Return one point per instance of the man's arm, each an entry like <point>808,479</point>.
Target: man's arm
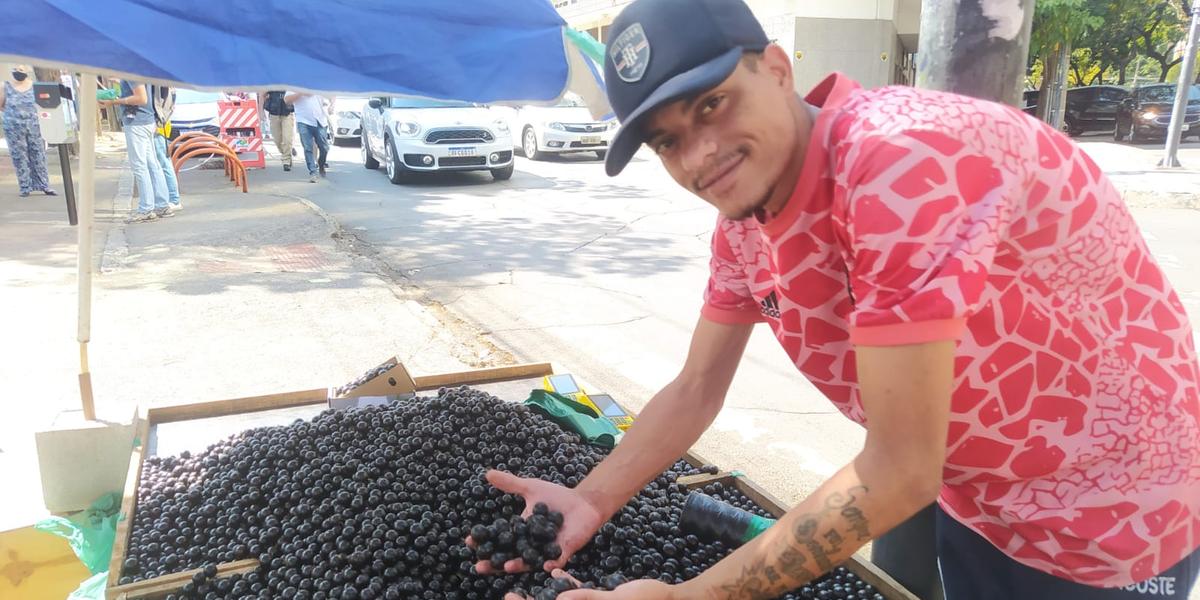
<point>292,97</point>
<point>139,97</point>
<point>673,419</point>
<point>906,396</point>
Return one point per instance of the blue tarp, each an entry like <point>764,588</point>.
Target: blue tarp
<point>473,50</point>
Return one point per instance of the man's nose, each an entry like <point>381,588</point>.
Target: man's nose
<point>699,153</point>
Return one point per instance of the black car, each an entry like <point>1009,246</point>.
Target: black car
<point>1093,108</point>
<point>1090,108</point>
<point>1147,113</point>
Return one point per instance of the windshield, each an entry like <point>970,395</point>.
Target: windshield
<point>1166,93</point>
<point>424,103</point>
<point>570,100</point>
<point>194,97</point>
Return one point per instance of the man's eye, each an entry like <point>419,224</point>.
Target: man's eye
<point>711,104</point>
<point>664,145</point>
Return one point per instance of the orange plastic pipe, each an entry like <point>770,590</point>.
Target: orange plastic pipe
<point>202,143</point>
<point>239,170</point>
<point>188,136</point>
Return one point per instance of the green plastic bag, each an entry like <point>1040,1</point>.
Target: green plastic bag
<point>577,417</point>
<point>90,533</point>
<point>92,588</point>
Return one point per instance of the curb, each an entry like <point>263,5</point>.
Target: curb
<point>1156,199</point>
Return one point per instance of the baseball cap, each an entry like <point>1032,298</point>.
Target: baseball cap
<point>666,50</point>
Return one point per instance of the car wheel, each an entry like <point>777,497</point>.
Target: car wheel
<point>529,145</point>
<point>602,154</point>
<point>368,159</point>
<point>503,173</point>
<point>395,170</point>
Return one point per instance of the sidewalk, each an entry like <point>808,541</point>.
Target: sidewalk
<point>1134,171</point>
<point>239,294</point>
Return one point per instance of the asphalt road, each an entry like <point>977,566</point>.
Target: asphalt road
<point>604,277</point>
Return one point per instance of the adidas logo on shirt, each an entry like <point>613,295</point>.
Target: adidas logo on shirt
<point>770,306</point>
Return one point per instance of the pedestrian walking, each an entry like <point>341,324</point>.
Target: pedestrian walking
<point>138,122</point>
<point>282,121</point>
<point>164,106</point>
<point>957,277</point>
<point>25,144</point>
<point>312,120</point>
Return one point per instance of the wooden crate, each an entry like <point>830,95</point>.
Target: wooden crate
<point>527,375</point>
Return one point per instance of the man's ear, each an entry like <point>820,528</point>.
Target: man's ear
<point>779,65</point>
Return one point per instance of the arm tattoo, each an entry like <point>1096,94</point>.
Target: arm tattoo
<point>808,554</point>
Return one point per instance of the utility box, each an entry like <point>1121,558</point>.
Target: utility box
<point>55,115</point>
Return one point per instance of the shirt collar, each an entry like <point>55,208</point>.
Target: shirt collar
<point>830,95</point>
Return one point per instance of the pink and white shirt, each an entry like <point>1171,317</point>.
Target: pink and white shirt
<point>1074,439</point>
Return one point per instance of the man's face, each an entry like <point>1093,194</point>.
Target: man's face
<point>731,144</point>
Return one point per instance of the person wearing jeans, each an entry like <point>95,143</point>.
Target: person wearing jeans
<point>138,124</point>
<point>311,120</point>
<point>168,171</point>
<point>164,106</point>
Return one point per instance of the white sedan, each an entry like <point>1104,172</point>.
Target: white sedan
<point>565,127</point>
<point>412,135</point>
<point>346,122</point>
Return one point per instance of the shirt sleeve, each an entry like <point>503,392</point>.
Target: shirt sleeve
<point>727,298</point>
<point>922,214</point>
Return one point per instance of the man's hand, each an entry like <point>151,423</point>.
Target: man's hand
<point>106,103</point>
<point>642,589</point>
<point>581,518</point>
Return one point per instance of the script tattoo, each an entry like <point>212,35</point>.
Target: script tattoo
<point>794,565</point>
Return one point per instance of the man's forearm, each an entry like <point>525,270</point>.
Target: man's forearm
<point>671,422</point>
<point>857,504</point>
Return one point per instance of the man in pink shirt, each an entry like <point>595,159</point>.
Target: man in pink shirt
<point>957,277</point>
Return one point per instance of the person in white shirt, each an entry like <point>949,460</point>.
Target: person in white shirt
<point>312,118</point>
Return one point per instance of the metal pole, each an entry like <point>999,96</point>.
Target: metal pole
<point>87,195</point>
<point>975,47</point>
<point>1182,90</point>
<point>64,160</point>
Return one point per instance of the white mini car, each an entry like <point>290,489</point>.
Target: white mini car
<point>411,135</point>
<point>346,122</point>
<point>559,129</point>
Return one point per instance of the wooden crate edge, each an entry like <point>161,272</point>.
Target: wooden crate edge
<point>165,584</point>
<point>482,376</point>
<point>218,408</point>
<point>133,479</point>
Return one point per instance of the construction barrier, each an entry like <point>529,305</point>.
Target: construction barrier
<point>242,131</point>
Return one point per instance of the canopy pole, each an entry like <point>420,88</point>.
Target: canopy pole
<point>87,195</point>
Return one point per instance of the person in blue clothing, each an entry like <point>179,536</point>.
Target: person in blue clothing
<point>24,135</point>
<point>139,125</point>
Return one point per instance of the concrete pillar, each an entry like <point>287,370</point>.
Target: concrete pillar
<point>975,47</point>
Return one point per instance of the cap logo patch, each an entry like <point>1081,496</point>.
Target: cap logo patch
<point>630,53</point>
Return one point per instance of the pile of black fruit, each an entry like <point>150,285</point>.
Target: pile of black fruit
<point>531,540</point>
<point>375,502</point>
<point>365,377</point>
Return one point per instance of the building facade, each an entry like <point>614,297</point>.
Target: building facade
<point>873,41</point>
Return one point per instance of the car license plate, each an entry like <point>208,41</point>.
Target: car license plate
<point>590,139</point>
<point>462,152</point>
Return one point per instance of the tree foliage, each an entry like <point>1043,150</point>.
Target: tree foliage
<point>1110,40</point>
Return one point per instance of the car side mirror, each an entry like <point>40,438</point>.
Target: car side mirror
<point>375,103</point>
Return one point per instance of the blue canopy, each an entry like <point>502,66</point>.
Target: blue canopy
<point>476,50</point>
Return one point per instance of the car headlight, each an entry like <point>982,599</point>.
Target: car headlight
<point>612,125</point>
<point>500,125</point>
<point>556,125</point>
<point>1149,115</point>
<point>408,129</point>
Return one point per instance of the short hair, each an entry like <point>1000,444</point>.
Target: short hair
<point>751,59</point>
